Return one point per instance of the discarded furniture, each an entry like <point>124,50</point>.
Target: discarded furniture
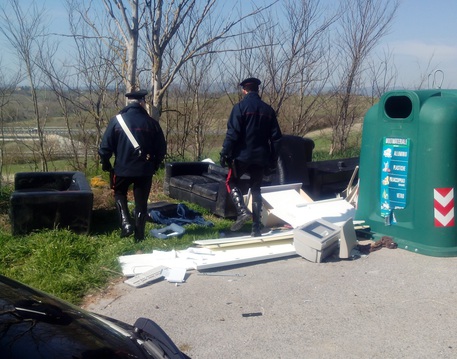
<point>319,179</point>
<point>331,177</point>
<point>295,153</point>
<point>202,183</point>
<point>50,200</point>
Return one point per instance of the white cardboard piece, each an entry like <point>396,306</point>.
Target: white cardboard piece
<point>135,264</point>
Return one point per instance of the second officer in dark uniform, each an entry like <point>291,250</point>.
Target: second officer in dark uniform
<point>133,165</point>
<point>251,146</point>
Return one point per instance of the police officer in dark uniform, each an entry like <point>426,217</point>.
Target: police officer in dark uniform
<point>251,146</point>
<point>133,165</point>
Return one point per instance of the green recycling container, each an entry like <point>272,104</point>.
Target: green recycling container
<point>408,170</point>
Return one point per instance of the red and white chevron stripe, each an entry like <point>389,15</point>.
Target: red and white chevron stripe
<point>444,207</point>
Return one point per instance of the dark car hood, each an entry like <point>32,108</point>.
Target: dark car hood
<point>34,324</point>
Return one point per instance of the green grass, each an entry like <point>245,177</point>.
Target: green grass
<point>70,266</point>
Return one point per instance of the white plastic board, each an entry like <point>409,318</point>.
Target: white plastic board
<point>149,276</point>
<point>246,254</point>
<point>174,275</point>
<point>336,211</point>
<point>232,241</point>
<point>135,264</point>
<point>204,258</point>
<point>284,199</point>
<point>348,239</point>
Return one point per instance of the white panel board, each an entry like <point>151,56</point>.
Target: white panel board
<point>336,211</point>
<point>247,254</point>
<point>204,258</point>
<point>231,241</point>
<point>147,277</point>
<point>135,264</point>
<point>284,199</point>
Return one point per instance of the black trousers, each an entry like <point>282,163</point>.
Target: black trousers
<point>255,173</point>
<point>141,190</point>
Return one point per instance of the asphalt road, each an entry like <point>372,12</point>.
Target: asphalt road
<point>389,304</point>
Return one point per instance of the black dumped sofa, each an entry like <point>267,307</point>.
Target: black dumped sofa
<point>203,183</point>
<point>330,177</point>
<point>50,200</point>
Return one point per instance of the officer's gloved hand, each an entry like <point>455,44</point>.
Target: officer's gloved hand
<point>106,166</point>
<point>224,160</point>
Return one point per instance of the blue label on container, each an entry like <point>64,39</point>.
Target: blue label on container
<point>394,174</point>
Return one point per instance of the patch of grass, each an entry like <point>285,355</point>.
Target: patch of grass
<point>71,266</point>
<point>323,141</point>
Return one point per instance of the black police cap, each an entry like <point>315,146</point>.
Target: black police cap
<point>137,95</point>
<point>250,81</point>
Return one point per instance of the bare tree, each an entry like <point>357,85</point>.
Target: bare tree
<point>181,30</point>
<point>171,31</point>
<point>25,30</point>
<point>96,94</point>
<point>290,57</point>
<point>128,26</point>
<point>86,86</point>
<point>120,34</point>
<point>8,84</point>
<point>363,24</point>
<point>199,96</point>
<point>382,75</point>
<point>295,55</point>
<point>239,64</point>
<point>425,74</point>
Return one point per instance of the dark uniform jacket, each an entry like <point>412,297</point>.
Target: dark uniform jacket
<point>147,133</point>
<point>253,134</point>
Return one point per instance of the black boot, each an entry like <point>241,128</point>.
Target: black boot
<point>256,216</point>
<point>140,224</point>
<point>243,214</point>
<point>124,217</point>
